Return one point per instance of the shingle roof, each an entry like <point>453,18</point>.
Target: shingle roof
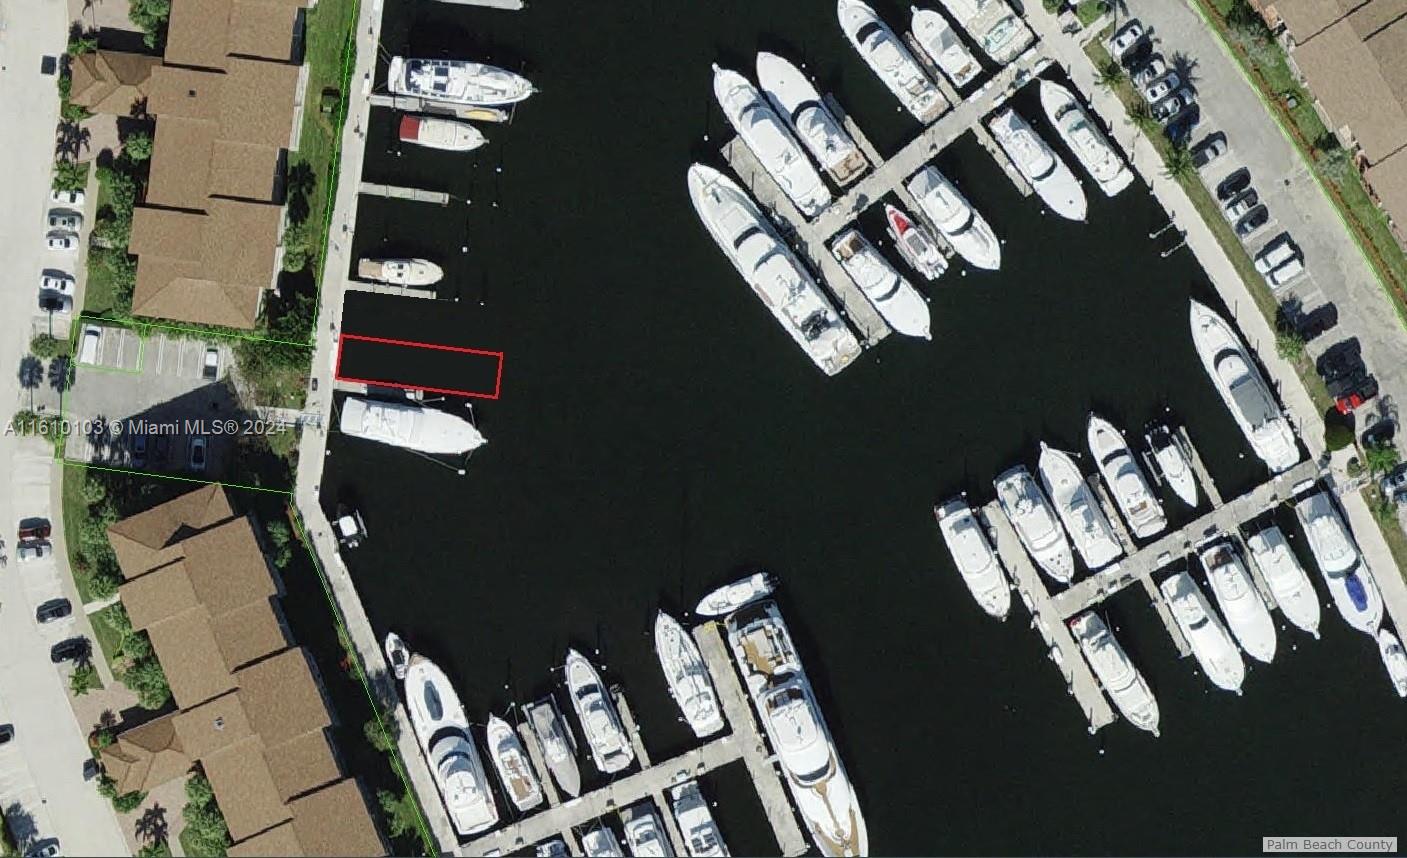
<point>146,756</point>
<point>334,822</point>
<point>1347,80</point>
<point>281,840</point>
<point>110,81</point>
<point>147,539</point>
<point>1388,179</point>
<point>1305,18</point>
<point>245,789</point>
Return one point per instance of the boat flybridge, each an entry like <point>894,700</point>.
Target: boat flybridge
<point>437,132</point>
<point>1049,176</point>
<point>993,25</point>
<point>914,243</point>
<point>964,228</point>
<point>1216,652</point>
<point>1035,523</point>
<point>1394,659</point>
<point>1288,581</point>
<point>601,842</point>
<point>456,82</point>
<point>702,837</point>
<point>1173,462</point>
<point>735,594</point>
<point>973,555</point>
<point>510,760</point>
<point>1078,508</point>
<point>1092,149</point>
<point>644,832</point>
<point>1123,476</point>
<point>886,55</point>
<point>687,676</point>
<point>815,125</point>
<point>600,722</point>
<point>1239,600</point>
<point>773,271</point>
<point>1234,375</point>
<point>944,47</point>
<point>896,300</point>
<point>1350,581</point>
<point>443,732</point>
<point>766,134</point>
<point>414,427</point>
<point>1120,679</point>
<point>558,743</point>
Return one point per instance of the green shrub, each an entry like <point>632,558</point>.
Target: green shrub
<point>70,175</point>
<point>1382,457</point>
<point>128,801</point>
<point>206,833</point>
<point>1337,435</point>
<point>48,346</point>
<point>84,679</point>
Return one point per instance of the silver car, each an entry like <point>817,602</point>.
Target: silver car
<point>1174,104</point>
<point>1162,87</point>
<point>70,221</point>
<point>1242,205</point>
<point>1151,71</point>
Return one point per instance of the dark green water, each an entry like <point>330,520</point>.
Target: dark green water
<point>658,434</point>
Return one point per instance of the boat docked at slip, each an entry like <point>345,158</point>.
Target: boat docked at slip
<point>914,243</point>
<point>397,654</point>
<point>1078,508</point>
<point>816,127</point>
<point>1121,680</point>
<point>456,82</point>
<point>977,562</point>
<point>944,47</point>
<point>1092,149</point>
<point>1350,581</point>
<point>732,596</point>
<point>436,132</point>
<point>644,832</point>
<point>1216,652</point>
<point>994,26</point>
<point>796,730</point>
<point>1035,522</point>
<point>510,760</point>
<point>773,271</point>
<point>702,837</point>
<point>687,676</point>
<point>601,842</point>
<point>887,57</point>
<point>1173,462</point>
<point>1049,176</point>
<point>414,427</point>
<point>766,134</point>
<point>443,732</point>
<point>558,743</point>
<point>966,230</point>
<point>1394,659</point>
<point>896,300</point>
<point>1234,375</point>
<point>1240,603</point>
<point>600,722</point>
<point>1125,479</point>
<point>1288,581</point>
<point>401,272</point>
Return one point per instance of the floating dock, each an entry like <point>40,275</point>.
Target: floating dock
<point>396,192</point>
<point>389,289</point>
<point>508,5</point>
<point>416,104</point>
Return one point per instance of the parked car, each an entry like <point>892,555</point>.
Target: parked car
<point>211,370</point>
<point>1394,484</point>
<point>73,649</point>
<point>197,453</point>
<point>1149,72</point>
<point>1179,129</point>
<point>1317,322</point>
<point>139,451</point>
<point>1162,87</point>
<point>1123,41</point>
<point>55,302</point>
<point>1233,184</point>
<point>1242,205</point>
<point>1339,360</point>
<point>1352,392</point>
<point>1212,147</point>
<point>1285,272</point>
<point>88,348</point>
<point>37,529</point>
<point>54,609</point>
<point>73,199</point>
<point>1276,252</point>
<point>90,769</point>
<point>62,241</point>
<point>7,732</point>
<point>56,282</point>
<point>43,849</point>
<point>35,549</point>
<point>1172,105</point>
<point>1257,218</point>
<point>71,221</point>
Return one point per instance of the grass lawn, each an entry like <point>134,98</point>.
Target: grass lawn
<point>99,296</point>
<point>108,636</point>
<point>1089,11</point>
<point>74,511</point>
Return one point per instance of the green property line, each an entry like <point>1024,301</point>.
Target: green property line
<point>74,463</point>
<point>232,335</point>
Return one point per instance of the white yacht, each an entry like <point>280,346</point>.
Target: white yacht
<point>1049,177</point>
<point>894,297</point>
<point>1093,150</point>
<point>600,842</point>
<point>1228,362</point>
<point>511,762</point>
<point>1121,680</point>
<point>1123,476</point>
<point>943,46</point>
<point>400,272</point>
<point>436,132</point>
<point>818,129</point>
<point>1288,581</point>
<point>397,655</point>
<point>687,676</point>
<point>1078,508</point>
<point>702,839</point>
<point>992,24</point>
<point>1350,581</point>
<point>973,555</point>
<point>773,271</point>
<point>796,730</point>
<point>881,49</point>
<point>1174,463</point>
<point>1240,603</point>
<point>414,427</point>
<point>456,82</point>
<point>960,223</point>
<point>557,742</point>
<point>600,722</point>
<point>1216,652</point>
<point>914,243</point>
<point>766,134</point>
<point>553,847</point>
<point>1035,523</point>
<point>443,731</point>
<point>1394,659</point>
<point>735,594</point>
<point>644,832</point>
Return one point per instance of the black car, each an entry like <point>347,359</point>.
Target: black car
<point>1340,360</point>
<point>1211,147</point>
<point>1254,220</point>
<point>1179,129</point>
<point>7,732</point>
<point>1233,184</point>
<point>73,649</point>
<point>54,609</point>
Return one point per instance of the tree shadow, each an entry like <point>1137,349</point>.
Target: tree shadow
<point>72,140</point>
<point>23,829</point>
<point>59,375</point>
<point>151,826</point>
<point>31,376</point>
<point>1186,68</point>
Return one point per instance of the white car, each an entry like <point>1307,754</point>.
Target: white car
<point>1124,40</point>
<point>71,221</point>
<point>1286,272</point>
<point>1242,205</point>
<point>34,549</point>
<point>197,454</point>
<point>1167,109</point>
<point>56,302</point>
<point>211,370</point>
<point>1276,253</point>
<point>67,198</point>
<point>61,283</point>
<point>62,241</point>
<point>1149,72</point>
<point>1162,87</point>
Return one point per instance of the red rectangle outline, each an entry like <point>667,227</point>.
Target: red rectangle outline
<point>498,377</point>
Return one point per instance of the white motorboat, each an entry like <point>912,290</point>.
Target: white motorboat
<point>687,676</point>
<point>456,82</point>
<point>1350,581</point>
<point>557,742</point>
<point>1216,652</point>
<point>897,301</point>
<point>436,132</point>
<point>886,55</point>
<point>644,832</point>
<point>552,848</point>
<point>773,271</point>
<point>766,134</point>
<point>1077,128</point>
<point>1116,464</point>
<point>994,26</point>
<point>511,762</point>
<point>732,596</point>
<point>400,272</point>
<point>1035,523</point>
<point>944,47</point>
<point>973,555</point>
<point>1174,463</point>
<point>600,842</point>
<point>1078,509</point>
<point>349,527</point>
<point>443,732</point>
<point>1394,659</point>
<point>414,427</point>
<point>796,730</point>
<point>1121,680</point>
<point>960,223</point>
<point>1049,176</point>
<point>1288,581</point>
<point>600,722</point>
<point>816,127</point>
<point>397,654</point>
<point>702,839</point>
<point>1239,601</point>
<point>914,243</point>
<point>1234,375</point>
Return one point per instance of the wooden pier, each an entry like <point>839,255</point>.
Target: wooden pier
<point>396,192</point>
<point>415,104</point>
<point>507,5</point>
<point>389,289</point>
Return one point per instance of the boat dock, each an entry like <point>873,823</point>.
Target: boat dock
<point>509,5</point>
<point>396,192</point>
<point>389,289</point>
<point>415,104</point>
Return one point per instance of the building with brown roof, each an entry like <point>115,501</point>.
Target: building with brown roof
<point>111,82</point>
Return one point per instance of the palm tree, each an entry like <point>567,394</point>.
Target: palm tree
<point>1177,163</point>
<point>1141,116</point>
<point>1111,74</point>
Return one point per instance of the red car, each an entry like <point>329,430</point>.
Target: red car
<point>1352,392</point>
<point>39,530</point>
